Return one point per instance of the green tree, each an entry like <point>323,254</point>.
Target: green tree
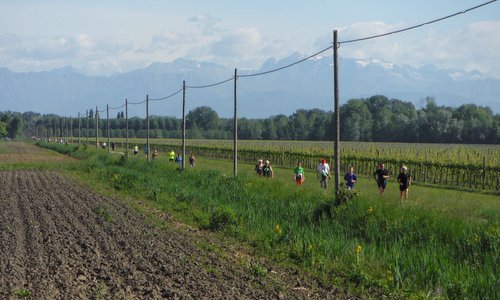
<point>204,117</point>
<point>356,121</point>
<point>15,127</point>
<point>3,130</point>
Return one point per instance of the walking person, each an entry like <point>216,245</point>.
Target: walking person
<point>381,175</point>
<point>178,160</point>
<point>171,155</point>
<point>136,149</point>
<point>192,160</point>
<point>350,178</point>
<point>404,180</point>
<point>259,167</point>
<point>298,174</point>
<point>323,171</point>
<point>268,170</point>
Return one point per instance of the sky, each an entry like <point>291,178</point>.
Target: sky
<point>108,37</point>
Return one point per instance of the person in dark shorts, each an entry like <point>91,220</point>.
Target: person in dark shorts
<point>381,176</point>
<point>404,180</point>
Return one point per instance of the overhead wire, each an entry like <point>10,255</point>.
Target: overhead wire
<point>287,66</point>
<point>166,97</point>
<point>136,103</point>
<point>416,26</point>
<point>209,85</point>
<point>317,53</point>
<point>121,106</point>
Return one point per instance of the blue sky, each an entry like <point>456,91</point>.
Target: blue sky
<point>106,37</point>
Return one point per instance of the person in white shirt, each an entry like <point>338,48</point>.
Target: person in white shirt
<point>323,172</point>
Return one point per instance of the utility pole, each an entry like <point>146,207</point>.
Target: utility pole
<point>235,126</point>
<point>96,127</point>
<point>126,127</point>
<point>147,131</point>
<point>79,128</point>
<point>107,126</point>
<point>183,124</point>
<point>336,111</point>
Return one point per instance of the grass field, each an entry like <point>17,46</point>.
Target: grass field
<point>439,243</point>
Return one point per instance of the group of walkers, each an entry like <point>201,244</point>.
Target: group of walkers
<point>171,156</point>
<point>404,179</point>
<point>264,168</point>
<point>381,175</point>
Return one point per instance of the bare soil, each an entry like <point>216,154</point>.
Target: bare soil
<point>60,240</point>
<point>18,152</point>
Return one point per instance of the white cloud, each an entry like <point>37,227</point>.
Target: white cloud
<point>472,47</point>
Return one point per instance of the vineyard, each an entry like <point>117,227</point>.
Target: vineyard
<point>470,167</point>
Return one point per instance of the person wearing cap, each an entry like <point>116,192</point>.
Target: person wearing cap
<point>323,171</point>
<point>404,180</point>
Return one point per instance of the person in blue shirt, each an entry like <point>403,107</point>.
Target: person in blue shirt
<point>350,178</point>
<point>178,160</point>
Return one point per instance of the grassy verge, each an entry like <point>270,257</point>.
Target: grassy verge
<point>439,243</point>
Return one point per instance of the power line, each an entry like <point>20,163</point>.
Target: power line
<point>416,26</point>
<point>117,107</point>
<point>136,103</point>
<point>287,66</point>
<point>171,95</point>
<point>209,85</point>
<point>317,53</point>
<point>368,38</point>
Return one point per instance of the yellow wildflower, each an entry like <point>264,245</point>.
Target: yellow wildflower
<point>277,229</point>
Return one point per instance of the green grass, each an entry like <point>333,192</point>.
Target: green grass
<point>439,243</point>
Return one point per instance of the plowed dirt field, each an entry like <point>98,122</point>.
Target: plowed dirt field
<point>60,240</point>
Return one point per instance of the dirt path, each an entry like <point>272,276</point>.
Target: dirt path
<point>18,152</point>
<point>59,240</point>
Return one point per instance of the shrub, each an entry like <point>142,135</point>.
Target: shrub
<point>222,218</point>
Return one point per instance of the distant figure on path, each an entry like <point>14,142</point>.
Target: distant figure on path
<point>136,149</point>
<point>155,154</point>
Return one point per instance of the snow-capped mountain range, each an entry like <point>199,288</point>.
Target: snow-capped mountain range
<point>305,85</point>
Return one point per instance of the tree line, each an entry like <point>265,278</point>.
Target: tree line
<point>377,119</point>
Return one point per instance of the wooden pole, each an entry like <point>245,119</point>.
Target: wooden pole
<point>107,126</point>
<point>183,124</point>
<point>336,110</point>
<point>147,127</point>
<point>88,117</point>
<point>96,127</point>
<point>79,128</point>
<point>126,127</point>
<point>235,125</point>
